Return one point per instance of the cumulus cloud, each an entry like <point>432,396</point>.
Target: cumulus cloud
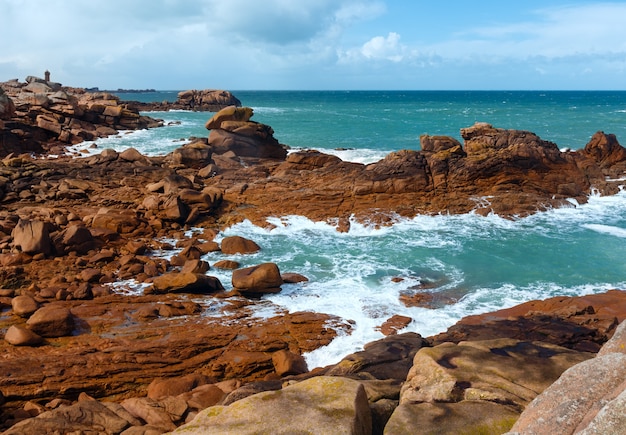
<point>380,47</point>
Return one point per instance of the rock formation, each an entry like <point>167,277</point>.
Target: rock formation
<point>232,131</point>
<point>206,100</point>
<point>507,172</point>
<point>41,115</point>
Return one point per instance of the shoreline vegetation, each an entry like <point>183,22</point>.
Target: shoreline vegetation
<point>83,354</point>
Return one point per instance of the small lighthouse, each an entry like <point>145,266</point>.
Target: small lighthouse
<point>47,75</point>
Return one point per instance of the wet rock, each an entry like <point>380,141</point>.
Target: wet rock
<point>293,278</point>
<point>238,245</point>
<point>394,324</point>
<point>263,278</point>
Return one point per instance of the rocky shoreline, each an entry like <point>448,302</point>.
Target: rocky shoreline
<point>85,352</point>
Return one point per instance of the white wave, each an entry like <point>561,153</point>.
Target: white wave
<point>429,322</point>
<point>607,229</point>
<point>265,109</point>
<point>353,155</point>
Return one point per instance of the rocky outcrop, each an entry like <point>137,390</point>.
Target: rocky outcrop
<point>205,100</point>
<point>232,131</point>
<point>507,172</point>
<point>583,323</point>
<point>476,385</point>
<point>43,116</point>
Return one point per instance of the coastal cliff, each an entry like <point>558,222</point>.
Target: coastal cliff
<point>81,355</point>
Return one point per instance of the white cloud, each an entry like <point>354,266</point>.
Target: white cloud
<point>287,44</point>
<point>380,47</point>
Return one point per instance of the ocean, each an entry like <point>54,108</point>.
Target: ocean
<point>479,263</point>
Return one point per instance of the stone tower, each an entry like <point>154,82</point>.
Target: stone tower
<point>47,75</point>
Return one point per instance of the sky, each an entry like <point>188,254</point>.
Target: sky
<point>317,44</point>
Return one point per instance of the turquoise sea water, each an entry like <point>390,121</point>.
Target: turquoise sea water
<point>484,263</point>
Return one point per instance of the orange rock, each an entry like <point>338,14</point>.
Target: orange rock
<point>263,278</point>
<point>394,324</point>
<point>238,245</point>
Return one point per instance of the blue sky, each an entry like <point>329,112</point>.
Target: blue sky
<point>317,44</point>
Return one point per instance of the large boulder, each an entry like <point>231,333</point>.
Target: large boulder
<point>232,130</point>
<point>231,113</point>
<point>321,405</point>
<point>51,321</point>
<point>493,379</point>
<point>24,305</point>
<point>387,358</point>
<point>75,238</point>
<point>263,278</point>
<point>32,237</point>
<point>20,336</point>
<point>582,323</point>
<point>206,100</point>
<point>193,155</point>
<point>238,245</point>
<point>186,282</point>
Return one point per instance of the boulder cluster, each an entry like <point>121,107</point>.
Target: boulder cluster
<point>43,116</point>
<point>113,322</point>
<point>205,100</point>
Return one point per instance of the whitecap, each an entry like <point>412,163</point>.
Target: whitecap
<point>607,229</point>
